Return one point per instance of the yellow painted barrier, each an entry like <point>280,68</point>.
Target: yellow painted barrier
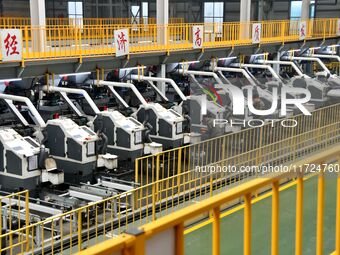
<point>127,244</point>
<point>96,37</point>
<point>96,222</point>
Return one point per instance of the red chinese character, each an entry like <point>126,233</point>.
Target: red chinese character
<point>198,40</point>
<point>303,31</point>
<point>257,33</point>
<point>11,45</point>
<point>121,42</point>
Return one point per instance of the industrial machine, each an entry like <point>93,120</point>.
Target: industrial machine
<point>166,125</point>
<point>25,163</point>
<point>275,81</point>
<point>221,90</point>
<point>319,90</point>
<point>124,136</point>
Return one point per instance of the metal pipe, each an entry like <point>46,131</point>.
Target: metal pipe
<point>159,79</point>
<point>74,91</point>
<point>323,66</point>
<point>236,70</point>
<point>16,112</point>
<point>287,63</point>
<point>269,68</point>
<point>210,74</point>
<point>120,99</point>
<point>30,106</point>
<point>326,56</point>
<point>160,93</point>
<point>125,85</point>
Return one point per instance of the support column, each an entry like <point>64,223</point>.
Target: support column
<point>38,21</point>
<point>276,67</point>
<point>162,21</point>
<point>245,10</point>
<point>162,74</point>
<point>305,10</point>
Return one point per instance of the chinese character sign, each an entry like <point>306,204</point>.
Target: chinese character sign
<point>302,30</point>
<point>338,28</point>
<point>122,42</point>
<point>197,36</point>
<point>11,44</point>
<point>256,34</point>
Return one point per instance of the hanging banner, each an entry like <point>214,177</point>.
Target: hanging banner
<point>122,42</point>
<point>256,34</point>
<point>197,36</point>
<point>11,44</point>
<point>302,30</point>
<point>338,28</point>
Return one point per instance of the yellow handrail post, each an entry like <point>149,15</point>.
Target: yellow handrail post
<point>179,239</point>
<point>299,216</point>
<point>247,225</point>
<point>337,229</point>
<point>275,219</point>
<point>179,168</point>
<point>153,202</point>
<point>27,216</point>
<point>79,230</point>
<point>320,213</point>
<point>216,237</point>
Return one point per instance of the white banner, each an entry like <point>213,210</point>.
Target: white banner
<point>302,30</point>
<point>256,34</point>
<point>338,28</point>
<point>198,35</point>
<point>11,44</point>
<point>122,42</point>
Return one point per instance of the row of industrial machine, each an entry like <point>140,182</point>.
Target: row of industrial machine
<point>73,139</point>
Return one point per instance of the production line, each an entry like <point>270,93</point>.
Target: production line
<point>73,140</point>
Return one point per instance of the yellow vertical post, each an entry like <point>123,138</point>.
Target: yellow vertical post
<point>79,230</point>
<point>157,175</point>
<point>320,213</point>
<point>337,228</point>
<point>179,239</point>
<point>247,225</point>
<point>179,168</point>
<point>216,232</point>
<point>136,171</point>
<point>275,219</point>
<point>27,216</point>
<point>153,202</point>
<point>299,216</point>
<point>26,40</point>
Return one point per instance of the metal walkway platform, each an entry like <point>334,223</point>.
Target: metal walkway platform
<point>68,49</point>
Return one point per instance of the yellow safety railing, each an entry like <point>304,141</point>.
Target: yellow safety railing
<point>67,41</point>
<point>16,22</point>
<point>80,228</point>
<point>152,168</point>
<point>172,226</point>
<point>14,213</point>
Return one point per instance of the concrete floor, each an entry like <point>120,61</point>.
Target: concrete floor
<point>198,242</point>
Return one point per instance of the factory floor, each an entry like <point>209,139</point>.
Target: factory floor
<point>198,238</point>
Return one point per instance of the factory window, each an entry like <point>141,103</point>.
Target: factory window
<point>135,12</point>
<point>75,12</point>
<point>296,9</point>
<point>213,12</point>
